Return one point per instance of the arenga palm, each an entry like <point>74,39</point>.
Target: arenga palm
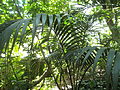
<point>72,59</point>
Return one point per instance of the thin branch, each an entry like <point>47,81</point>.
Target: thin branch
<point>17,9</point>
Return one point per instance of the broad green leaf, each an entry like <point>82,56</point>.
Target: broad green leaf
<point>24,29</point>
<point>6,35</point>
<point>38,16</point>
<point>116,71</point>
<point>110,59</point>
<point>36,21</point>
<point>44,18</point>
<point>58,19</point>
<point>50,20</point>
<point>98,55</point>
<point>16,34</point>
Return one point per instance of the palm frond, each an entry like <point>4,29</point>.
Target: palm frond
<point>68,35</point>
<point>74,61</point>
<point>83,59</point>
<point>13,29</point>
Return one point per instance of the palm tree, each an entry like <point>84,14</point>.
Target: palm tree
<point>70,58</point>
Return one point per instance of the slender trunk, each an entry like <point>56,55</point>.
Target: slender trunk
<point>113,29</point>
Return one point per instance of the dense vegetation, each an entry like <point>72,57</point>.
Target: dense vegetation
<point>59,44</point>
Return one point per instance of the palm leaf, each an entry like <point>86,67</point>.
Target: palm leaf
<point>50,20</point>
<point>116,71</point>
<point>36,21</point>
<point>91,56</point>
<point>110,58</point>
<point>27,21</point>
<point>99,53</point>
<point>74,58</point>
<point>88,54</point>
<point>16,34</point>
<point>5,35</point>
<point>58,19</point>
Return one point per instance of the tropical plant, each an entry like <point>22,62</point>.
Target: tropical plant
<point>62,42</point>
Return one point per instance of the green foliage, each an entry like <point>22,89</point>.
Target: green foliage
<point>75,61</point>
<point>57,47</point>
<point>48,6</point>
